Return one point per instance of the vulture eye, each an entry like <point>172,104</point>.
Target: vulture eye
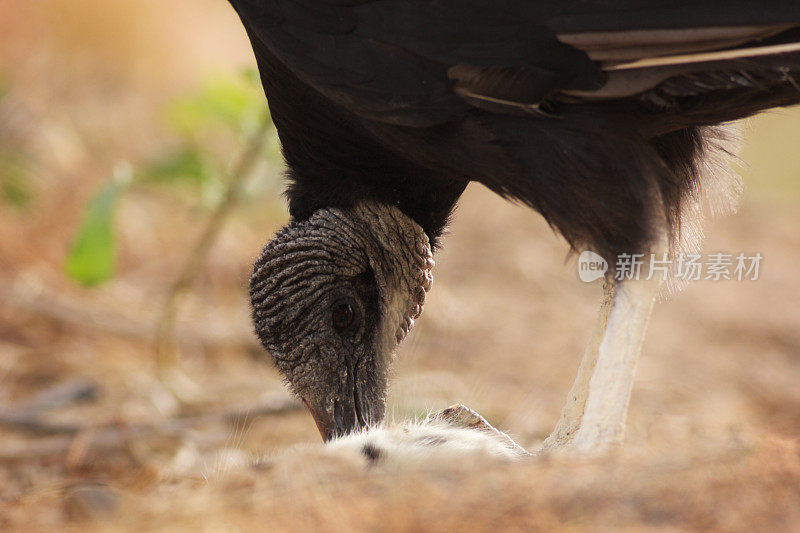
<point>343,315</point>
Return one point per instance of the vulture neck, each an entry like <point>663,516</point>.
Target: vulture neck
<point>401,259</point>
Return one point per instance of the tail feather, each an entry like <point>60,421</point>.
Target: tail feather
<point>706,57</point>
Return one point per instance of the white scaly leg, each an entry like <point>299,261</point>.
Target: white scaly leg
<point>603,421</point>
<point>572,413</point>
<point>594,415</point>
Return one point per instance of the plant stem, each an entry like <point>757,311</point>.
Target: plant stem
<point>166,347</point>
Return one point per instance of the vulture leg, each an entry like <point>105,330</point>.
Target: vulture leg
<point>571,414</point>
<point>597,406</point>
<point>609,392</point>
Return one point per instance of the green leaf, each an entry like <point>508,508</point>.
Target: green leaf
<point>251,76</point>
<point>92,256</point>
<point>235,101</point>
<point>184,164</point>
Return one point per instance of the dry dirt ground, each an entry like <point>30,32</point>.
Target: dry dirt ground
<point>715,416</point>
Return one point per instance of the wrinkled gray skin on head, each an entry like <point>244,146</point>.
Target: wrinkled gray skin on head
<point>371,264</point>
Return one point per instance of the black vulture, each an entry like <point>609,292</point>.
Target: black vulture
<point>598,114</point>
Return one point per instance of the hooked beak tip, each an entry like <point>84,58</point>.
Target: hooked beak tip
<point>325,430</point>
<point>344,419</point>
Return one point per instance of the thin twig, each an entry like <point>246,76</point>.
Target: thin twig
<point>27,414</point>
<point>103,440</point>
<point>167,355</point>
<point>111,437</point>
<point>64,309</point>
<point>62,394</point>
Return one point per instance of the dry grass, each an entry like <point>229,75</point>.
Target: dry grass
<point>716,409</point>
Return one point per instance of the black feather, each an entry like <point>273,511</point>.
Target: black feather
<point>406,101</point>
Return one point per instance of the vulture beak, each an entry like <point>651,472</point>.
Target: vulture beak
<point>341,420</point>
<point>324,426</point>
<point>343,413</point>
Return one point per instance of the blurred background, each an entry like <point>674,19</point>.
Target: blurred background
<point>139,178</point>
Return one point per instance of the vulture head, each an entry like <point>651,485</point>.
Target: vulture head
<point>332,297</point>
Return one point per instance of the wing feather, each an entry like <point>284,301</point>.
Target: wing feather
<point>420,63</point>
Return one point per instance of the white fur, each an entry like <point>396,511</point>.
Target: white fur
<point>416,441</point>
